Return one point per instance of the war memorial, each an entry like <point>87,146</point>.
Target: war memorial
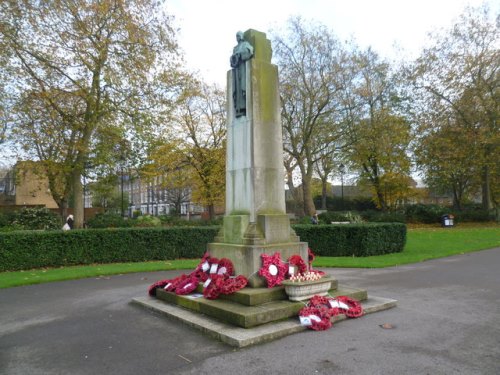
<point>241,292</point>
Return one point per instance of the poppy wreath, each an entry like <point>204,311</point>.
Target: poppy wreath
<point>158,284</point>
<point>186,286</point>
<point>233,284</point>
<point>170,287</point>
<point>296,260</point>
<point>213,289</point>
<point>355,309</point>
<point>319,317</point>
<point>204,264</point>
<point>225,267</point>
<point>273,269</point>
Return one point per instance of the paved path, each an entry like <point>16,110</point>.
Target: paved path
<point>447,322</point>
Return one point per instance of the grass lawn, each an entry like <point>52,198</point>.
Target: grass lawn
<point>422,244</point>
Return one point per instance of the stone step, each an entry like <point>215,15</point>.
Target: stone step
<point>234,313</point>
<point>243,337</point>
<point>259,296</point>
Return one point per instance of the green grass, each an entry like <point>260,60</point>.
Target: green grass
<point>38,276</point>
<point>422,244</point>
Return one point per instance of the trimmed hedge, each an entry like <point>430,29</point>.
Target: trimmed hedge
<point>353,239</point>
<point>23,250</point>
<point>34,249</point>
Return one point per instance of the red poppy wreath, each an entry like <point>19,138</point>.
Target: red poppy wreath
<point>273,269</point>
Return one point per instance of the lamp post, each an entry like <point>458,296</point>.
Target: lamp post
<point>342,171</point>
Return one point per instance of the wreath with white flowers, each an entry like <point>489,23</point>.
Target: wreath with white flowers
<point>186,286</point>
<point>216,274</point>
<point>273,269</point>
<point>319,310</point>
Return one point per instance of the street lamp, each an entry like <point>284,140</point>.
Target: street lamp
<point>342,171</point>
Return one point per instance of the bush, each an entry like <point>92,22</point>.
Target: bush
<point>29,249</point>
<point>36,219</point>
<point>425,213</point>
<point>108,220</point>
<point>474,214</point>
<point>353,239</point>
<point>329,217</point>
<point>347,204</point>
<point>23,250</point>
<point>375,216</point>
<point>146,221</point>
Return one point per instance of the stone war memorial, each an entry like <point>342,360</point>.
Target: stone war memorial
<point>254,280</point>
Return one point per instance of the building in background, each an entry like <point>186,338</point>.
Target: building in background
<point>24,185</point>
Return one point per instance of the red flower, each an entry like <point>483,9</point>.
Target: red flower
<point>158,284</point>
<point>319,317</point>
<point>213,289</point>
<point>273,269</point>
<point>186,286</point>
<point>225,267</point>
<point>174,282</point>
<point>355,309</point>
<point>296,260</point>
<point>233,284</point>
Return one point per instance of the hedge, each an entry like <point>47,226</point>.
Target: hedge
<point>353,239</point>
<point>23,250</point>
<point>33,249</point>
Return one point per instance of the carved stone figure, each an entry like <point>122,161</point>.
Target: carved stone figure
<point>241,53</point>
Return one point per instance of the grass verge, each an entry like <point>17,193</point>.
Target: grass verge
<point>422,244</point>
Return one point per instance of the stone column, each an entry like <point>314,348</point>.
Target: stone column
<point>256,220</point>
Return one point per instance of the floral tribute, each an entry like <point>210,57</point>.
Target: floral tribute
<point>273,269</point>
<point>307,276</point>
<point>297,261</point>
<point>318,312</point>
<point>216,274</point>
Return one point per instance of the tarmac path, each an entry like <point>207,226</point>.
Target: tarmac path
<point>447,322</point>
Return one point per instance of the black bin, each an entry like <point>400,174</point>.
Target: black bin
<point>447,220</point>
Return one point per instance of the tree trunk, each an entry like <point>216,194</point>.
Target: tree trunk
<point>211,211</point>
<point>323,194</point>
<point>486,189</point>
<point>309,208</point>
<point>77,198</point>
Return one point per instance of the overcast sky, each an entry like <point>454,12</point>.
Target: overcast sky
<point>208,27</point>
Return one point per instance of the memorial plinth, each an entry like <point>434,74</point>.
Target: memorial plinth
<point>256,221</point>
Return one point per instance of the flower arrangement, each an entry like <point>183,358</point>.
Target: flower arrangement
<point>297,261</point>
<point>273,269</point>
<point>307,276</point>
<point>216,274</point>
<point>319,310</point>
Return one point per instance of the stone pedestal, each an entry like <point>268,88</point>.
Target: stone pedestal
<point>256,221</point>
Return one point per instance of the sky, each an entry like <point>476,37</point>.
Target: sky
<point>207,28</point>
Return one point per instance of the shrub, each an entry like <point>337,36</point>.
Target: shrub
<point>36,219</point>
<point>108,220</point>
<point>29,249</point>
<point>329,217</point>
<point>146,221</point>
<point>425,213</point>
<point>353,239</point>
<point>375,216</point>
<point>34,249</point>
<point>474,215</point>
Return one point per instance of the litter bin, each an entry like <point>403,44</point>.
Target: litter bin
<point>447,220</point>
